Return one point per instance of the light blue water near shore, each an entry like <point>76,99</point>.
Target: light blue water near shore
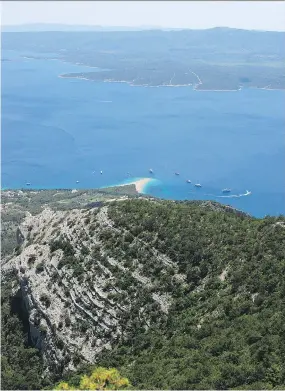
<point>58,131</point>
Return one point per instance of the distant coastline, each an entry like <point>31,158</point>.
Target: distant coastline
<point>204,90</point>
<point>131,84</point>
<point>64,76</point>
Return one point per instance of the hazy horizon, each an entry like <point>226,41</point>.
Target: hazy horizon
<point>138,27</point>
<point>249,15</point>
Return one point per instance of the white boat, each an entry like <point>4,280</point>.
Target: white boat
<point>226,190</point>
<point>28,184</point>
<point>198,185</point>
<point>101,172</point>
<point>188,181</point>
<point>151,170</point>
<point>177,173</point>
<point>77,181</point>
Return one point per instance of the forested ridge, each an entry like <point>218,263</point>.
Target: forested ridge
<point>226,327</point>
<point>221,321</point>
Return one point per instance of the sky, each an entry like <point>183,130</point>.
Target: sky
<point>256,15</point>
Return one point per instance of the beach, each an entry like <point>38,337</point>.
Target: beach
<point>140,184</point>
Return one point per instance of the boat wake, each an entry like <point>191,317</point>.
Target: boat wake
<point>247,193</point>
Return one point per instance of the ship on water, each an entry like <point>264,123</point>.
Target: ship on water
<point>177,173</point>
<point>188,181</point>
<point>151,171</point>
<point>197,185</point>
<point>226,190</point>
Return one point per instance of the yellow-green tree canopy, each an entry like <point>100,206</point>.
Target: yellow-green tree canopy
<point>100,379</point>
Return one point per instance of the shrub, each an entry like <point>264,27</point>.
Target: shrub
<point>18,250</point>
<point>43,329</point>
<point>40,267</point>
<point>44,298</point>
<point>67,321</point>
<point>59,343</point>
<point>63,245</point>
<point>31,260</point>
<point>99,379</point>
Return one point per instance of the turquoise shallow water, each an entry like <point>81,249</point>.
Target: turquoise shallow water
<point>58,131</point>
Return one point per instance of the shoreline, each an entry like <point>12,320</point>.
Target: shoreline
<point>201,90</point>
<point>140,184</point>
<point>62,76</point>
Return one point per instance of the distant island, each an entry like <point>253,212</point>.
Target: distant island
<point>214,59</point>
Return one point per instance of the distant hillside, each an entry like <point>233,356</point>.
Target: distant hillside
<point>175,295</point>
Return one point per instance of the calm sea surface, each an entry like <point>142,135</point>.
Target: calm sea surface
<point>58,131</point>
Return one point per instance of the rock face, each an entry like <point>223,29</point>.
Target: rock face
<point>80,296</point>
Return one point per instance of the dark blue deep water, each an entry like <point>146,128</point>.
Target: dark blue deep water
<point>56,131</point>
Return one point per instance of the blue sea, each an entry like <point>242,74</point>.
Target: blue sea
<point>57,131</point>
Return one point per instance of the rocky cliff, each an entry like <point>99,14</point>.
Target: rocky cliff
<point>78,295</point>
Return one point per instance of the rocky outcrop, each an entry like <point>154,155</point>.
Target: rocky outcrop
<point>80,297</point>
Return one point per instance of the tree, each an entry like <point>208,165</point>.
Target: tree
<point>100,379</point>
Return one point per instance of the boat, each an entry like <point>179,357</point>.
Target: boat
<point>177,173</point>
<point>101,172</point>
<point>198,185</point>
<point>28,184</point>
<point>188,181</point>
<point>151,170</point>
<point>226,190</point>
<point>77,181</point>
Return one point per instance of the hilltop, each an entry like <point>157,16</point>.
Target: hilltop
<point>176,295</point>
